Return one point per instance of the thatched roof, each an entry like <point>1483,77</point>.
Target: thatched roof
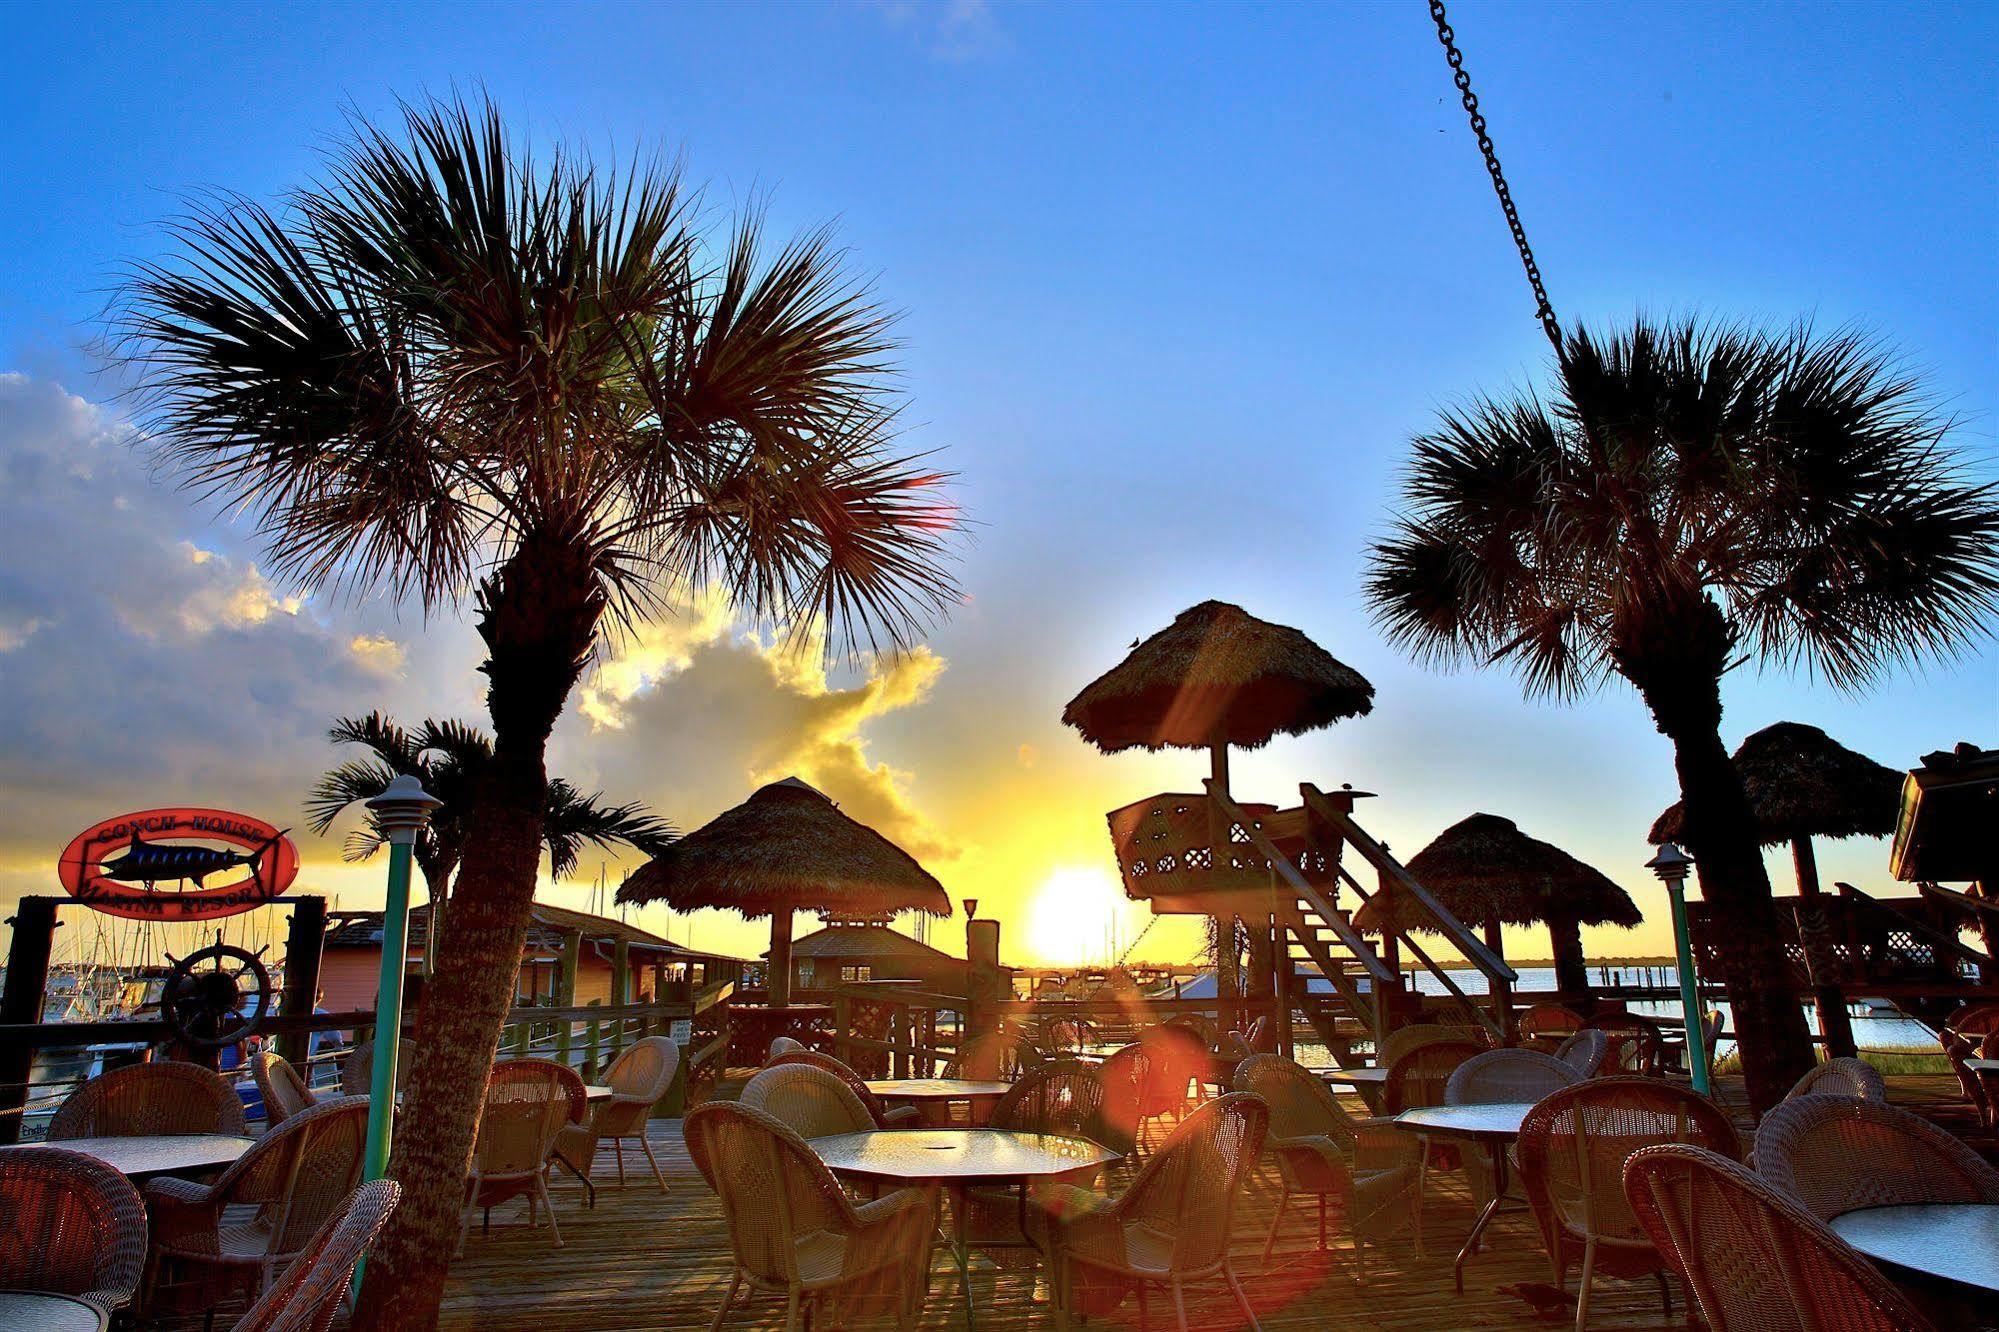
<point>1217,663</point>
<point>786,846</point>
<point>1803,783</point>
<point>1485,867</point>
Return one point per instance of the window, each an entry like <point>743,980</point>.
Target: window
<point>850,974</point>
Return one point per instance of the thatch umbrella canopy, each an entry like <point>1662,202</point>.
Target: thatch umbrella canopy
<point>1217,676</point>
<point>1484,869</point>
<point>1804,784</point>
<point>787,848</point>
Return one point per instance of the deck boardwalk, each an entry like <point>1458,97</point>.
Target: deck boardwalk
<point>647,1260</point>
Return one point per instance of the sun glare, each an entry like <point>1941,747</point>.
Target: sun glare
<point>1074,917</point>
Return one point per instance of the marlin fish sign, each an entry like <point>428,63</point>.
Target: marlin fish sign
<point>156,864</point>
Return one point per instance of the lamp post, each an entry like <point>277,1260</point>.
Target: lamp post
<point>1671,865</point>
<point>400,812</point>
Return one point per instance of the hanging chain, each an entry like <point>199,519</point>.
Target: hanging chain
<point>1543,311</point>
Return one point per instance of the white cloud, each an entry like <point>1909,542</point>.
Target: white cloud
<point>952,30</point>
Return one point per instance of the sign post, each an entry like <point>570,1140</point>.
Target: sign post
<point>401,812</point>
<point>1671,865</point>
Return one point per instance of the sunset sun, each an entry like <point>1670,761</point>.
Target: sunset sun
<point>1073,916</point>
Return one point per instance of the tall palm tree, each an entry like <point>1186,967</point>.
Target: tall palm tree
<point>447,757</point>
<point>1694,497</point>
<point>456,368</point>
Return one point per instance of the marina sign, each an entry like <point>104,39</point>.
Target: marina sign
<point>156,864</point>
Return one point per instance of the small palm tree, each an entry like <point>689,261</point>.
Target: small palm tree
<point>1695,497</point>
<point>459,370</point>
<point>447,757</point>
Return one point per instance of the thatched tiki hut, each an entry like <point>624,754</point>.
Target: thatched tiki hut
<point>1485,871</point>
<point>1218,676</point>
<point>786,849</point>
<point>1804,784</point>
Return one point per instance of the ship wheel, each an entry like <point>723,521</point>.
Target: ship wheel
<point>217,996</point>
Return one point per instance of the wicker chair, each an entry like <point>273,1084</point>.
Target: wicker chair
<point>784,1045</point>
<point>1200,1024</point>
<point>1585,1051</point>
<point>528,1102</point>
<point>1977,1088</point>
<point>1502,1076</point>
<point>1637,1043</point>
<point>74,1227</point>
<point>1172,1225</point>
<point>1414,1037</point>
<point>885,1116</point>
<point>1841,1077</point>
<point>1324,1152</point>
<point>1572,1148</point>
<point>809,1101</point>
<point>1418,1076</point>
<point>1124,1076</point>
<point>262,1211</point>
<point>1974,1020</point>
<point>1752,1259</point>
<point>1836,1154</point>
<point>357,1070</point>
<point>283,1092</point>
<point>996,1054</point>
<point>638,1078</point>
<point>1060,1036</point>
<point>1062,1097</point>
<point>1544,1027</point>
<point>308,1295</point>
<point>144,1100</point>
<point>792,1228</point>
<point>1178,1059</point>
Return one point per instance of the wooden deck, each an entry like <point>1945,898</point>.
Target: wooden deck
<point>647,1260</point>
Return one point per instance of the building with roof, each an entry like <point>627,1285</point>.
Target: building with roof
<point>848,951</point>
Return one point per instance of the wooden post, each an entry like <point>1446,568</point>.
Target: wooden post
<point>777,982</point>
<point>34,923</point>
<point>1502,989</point>
<point>1829,1000</point>
<point>982,984</point>
<point>1285,977</point>
<point>903,1033</point>
<point>1218,873</point>
<point>303,942</point>
<point>565,991</point>
<point>621,992</point>
<point>592,1030</point>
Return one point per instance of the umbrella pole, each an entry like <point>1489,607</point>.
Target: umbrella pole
<point>1218,841</point>
<point>777,986</point>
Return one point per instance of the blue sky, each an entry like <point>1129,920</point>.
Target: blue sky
<point>1179,284</point>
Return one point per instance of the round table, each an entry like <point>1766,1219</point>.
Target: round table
<point>1493,1126</point>
<point>1956,1242</point>
<point>596,1092</point>
<point>1367,1081</point>
<point>168,1154</point>
<point>957,1159</point>
<point>933,1096</point>
<point>39,1311</point>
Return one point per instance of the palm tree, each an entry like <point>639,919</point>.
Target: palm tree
<point>1698,496</point>
<point>447,757</point>
<point>455,368</point>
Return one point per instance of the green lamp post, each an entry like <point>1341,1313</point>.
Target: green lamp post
<point>401,812</point>
<point>1671,865</point>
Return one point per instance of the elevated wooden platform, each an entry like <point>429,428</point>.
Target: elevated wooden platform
<point>644,1260</point>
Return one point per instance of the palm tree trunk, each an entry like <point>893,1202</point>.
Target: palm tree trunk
<point>1565,937</point>
<point>538,615</point>
<point>1744,929</point>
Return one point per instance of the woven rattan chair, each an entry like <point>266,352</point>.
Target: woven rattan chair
<point>307,1295</point>
<point>74,1226</point>
<point>1585,1051</point>
<point>1975,1021</point>
<point>1544,1027</point>
<point>1060,1036</point>
<point>143,1100</point>
<point>1572,1149</point>
<point>1171,1227</point>
<point>1977,1088</point>
<point>279,1086</point>
<point>1837,1154</point>
<point>1841,1077</point>
<point>1124,1075</point>
<point>884,1116</point>
<point>261,1212</point>
<point>784,1045</point>
<point>793,1229</point>
<point>1323,1152</point>
<point>997,1055</point>
<point>528,1102</point>
<point>1418,1076</point>
<point>357,1070</point>
<point>1200,1024</point>
<point>638,1078</point>
<point>809,1101</point>
<point>1178,1059</point>
<point>1752,1259</point>
<point>1062,1097</point>
<point>1502,1076</point>
<point>1414,1037</point>
<point>1637,1043</point>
